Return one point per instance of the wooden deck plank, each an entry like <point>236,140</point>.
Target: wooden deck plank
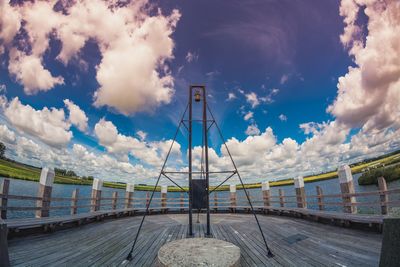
<point>107,243</point>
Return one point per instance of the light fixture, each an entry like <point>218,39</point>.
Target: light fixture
<point>197,96</point>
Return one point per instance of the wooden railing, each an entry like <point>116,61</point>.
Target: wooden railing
<point>229,202</point>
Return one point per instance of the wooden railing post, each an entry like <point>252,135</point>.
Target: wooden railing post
<point>129,191</point>
<point>266,194</point>
<point>147,199</point>
<point>114,200</point>
<point>4,188</point>
<point>232,189</point>
<point>320,198</point>
<point>44,192</point>
<point>182,202</point>
<point>96,195</point>
<point>383,195</point>
<point>300,192</point>
<point>74,201</point>
<point>164,190</point>
<point>281,198</point>
<point>215,200</point>
<point>347,187</point>
<point>4,257</point>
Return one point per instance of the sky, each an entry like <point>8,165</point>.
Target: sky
<point>297,87</point>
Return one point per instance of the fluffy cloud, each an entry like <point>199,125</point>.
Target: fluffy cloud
<point>191,56</point>
<point>142,135</point>
<point>252,130</point>
<point>252,99</point>
<point>258,157</point>
<point>231,96</point>
<point>6,135</point>
<point>152,153</point>
<point>250,149</point>
<point>369,94</point>
<point>137,84</point>
<point>49,125</point>
<point>10,22</point>
<point>27,67</point>
<point>261,157</point>
<point>248,115</point>
<point>284,78</point>
<point>76,115</point>
<point>283,117</point>
<point>29,71</point>
<point>133,74</point>
<point>79,159</point>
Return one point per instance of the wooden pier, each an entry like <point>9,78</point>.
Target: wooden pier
<point>294,242</point>
<point>102,235</point>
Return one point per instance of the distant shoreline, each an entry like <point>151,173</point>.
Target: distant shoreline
<point>17,170</point>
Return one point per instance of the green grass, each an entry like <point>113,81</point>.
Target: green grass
<point>371,177</point>
<point>21,171</point>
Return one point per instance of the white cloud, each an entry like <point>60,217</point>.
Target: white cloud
<point>283,117</point>
<point>49,125</point>
<point>81,160</point>
<point>259,156</point>
<point>252,99</point>
<point>180,69</point>
<point>10,22</point>
<point>29,71</point>
<point>133,75</point>
<point>252,130</point>
<point>248,116</point>
<point>213,74</point>
<point>268,99</point>
<point>191,56</point>
<point>6,135</point>
<point>369,94</point>
<point>137,85</point>
<point>76,115</point>
<point>142,135</point>
<point>231,96</point>
<point>274,91</point>
<point>151,153</point>
<point>284,79</point>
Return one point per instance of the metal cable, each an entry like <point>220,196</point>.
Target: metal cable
<point>240,178</point>
<point>129,256</point>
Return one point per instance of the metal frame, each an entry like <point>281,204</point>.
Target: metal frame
<point>205,146</point>
<point>205,172</point>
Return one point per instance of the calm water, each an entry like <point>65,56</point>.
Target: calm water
<point>27,188</point>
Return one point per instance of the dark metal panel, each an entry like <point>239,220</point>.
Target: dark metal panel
<point>199,193</point>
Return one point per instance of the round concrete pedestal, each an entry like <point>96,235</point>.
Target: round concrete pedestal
<point>199,252</point>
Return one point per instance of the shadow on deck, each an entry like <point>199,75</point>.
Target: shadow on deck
<point>294,242</point>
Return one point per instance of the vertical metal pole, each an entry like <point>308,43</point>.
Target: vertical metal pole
<point>190,163</point>
<point>206,157</point>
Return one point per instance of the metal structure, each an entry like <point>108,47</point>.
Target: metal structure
<point>200,188</point>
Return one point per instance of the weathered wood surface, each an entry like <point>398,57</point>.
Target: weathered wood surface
<point>373,222</point>
<point>294,242</point>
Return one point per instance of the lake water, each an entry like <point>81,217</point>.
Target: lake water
<point>28,188</point>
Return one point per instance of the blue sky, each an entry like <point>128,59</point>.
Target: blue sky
<point>271,69</point>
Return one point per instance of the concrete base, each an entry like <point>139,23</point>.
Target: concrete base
<point>199,252</point>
